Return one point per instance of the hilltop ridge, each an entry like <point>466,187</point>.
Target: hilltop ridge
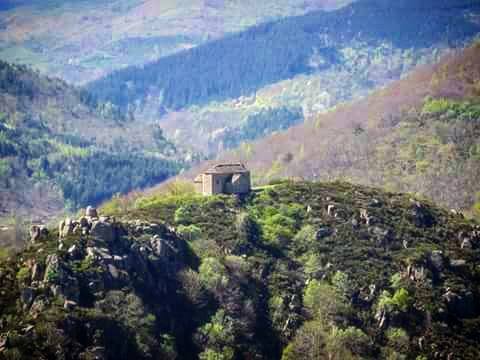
<point>417,134</point>
<point>366,273</point>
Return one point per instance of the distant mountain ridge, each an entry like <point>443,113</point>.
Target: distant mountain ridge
<point>100,36</point>
<point>280,50</point>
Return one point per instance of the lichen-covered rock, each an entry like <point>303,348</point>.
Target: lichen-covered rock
<point>27,295</point>
<point>69,305</point>
<point>466,244</point>
<point>38,272</point>
<point>437,261</point>
<point>103,230</point>
<point>323,232</point>
<point>421,215</point>
<point>37,233</point>
<point>461,304</point>
<point>66,227</point>
<point>91,212</point>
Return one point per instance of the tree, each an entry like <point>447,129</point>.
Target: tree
<point>324,302</point>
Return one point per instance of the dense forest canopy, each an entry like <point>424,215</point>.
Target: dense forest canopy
<point>63,142</point>
<point>241,63</point>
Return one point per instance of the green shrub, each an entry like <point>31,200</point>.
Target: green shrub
<point>306,236</point>
<point>400,301</point>
<point>312,264</point>
<point>23,274</point>
<point>279,225</point>
<point>190,232</point>
<point>323,301</point>
<point>247,229</point>
<point>351,339</point>
<point>213,273</point>
<point>398,339</point>
<point>342,284</point>
<point>219,337</point>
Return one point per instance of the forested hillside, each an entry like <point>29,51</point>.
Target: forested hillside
<point>265,54</point>
<point>420,134</point>
<point>58,145</point>
<point>315,62</point>
<point>294,271</point>
<point>98,36</point>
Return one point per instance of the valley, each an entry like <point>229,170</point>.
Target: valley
<point>229,180</point>
<point>312,62</point>
<point>61,149</point>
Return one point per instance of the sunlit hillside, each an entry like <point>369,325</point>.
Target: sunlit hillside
<point>419,134</point>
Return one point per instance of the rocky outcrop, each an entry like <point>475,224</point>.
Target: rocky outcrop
<point>38,233</point>
<point>461,304</point>
<point>420,214</point>
<point>102,254</point>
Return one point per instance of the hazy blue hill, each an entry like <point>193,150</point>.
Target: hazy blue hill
<point>98,36</point>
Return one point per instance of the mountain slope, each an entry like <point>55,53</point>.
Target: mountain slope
<point>397,137</point>
<point>56,143</point>
<point>272,52</point>
<point>204,95</point>
<point>296,270</point>
<point>100,36</point>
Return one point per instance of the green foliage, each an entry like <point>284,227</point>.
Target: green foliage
<point>219,337</point>
<point>168,347</point>
<point>132,313</point>
<point>52,276</point>
<point>23,274</point>
<point>182,215</point>
<point>351,339</point>
<point>193,287</point>
<point>315,341</point>
<point>301,302</point>
<point>312,264</point>
<point>279,224</point>
<point>197,77</point>
<point>309,343</point>
<point>248,232</point>
<point>324,301</point>
<point>398,339</point>
<point>453,109</point>
<point>226,353</point>
<point>84,265</point>
<point>306,237</point>
<point>261,124</point>
<point>49,148</point>
<point>400,301</point>
<point>94,178</point>
<point>213,273</point>
<point>179,188</point>
<point>396,281</point>
<point>190,232</point>
<point>342,283</point>
<point>4,253</point>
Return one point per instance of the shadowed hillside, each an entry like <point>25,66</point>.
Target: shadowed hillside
<point>59,147</point>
